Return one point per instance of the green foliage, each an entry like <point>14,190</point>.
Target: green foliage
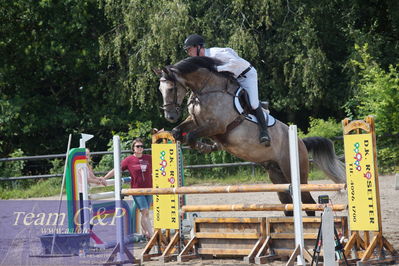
<point>144,35</point>
<point>58,166</point>
<point>377,94</point>
<point>41,188</point>
<point>192,157</point>
<point>50,73</point>
<point>322,128</point>
<point>12,168</point>
<point>328,129</point>
<point>136,130</point>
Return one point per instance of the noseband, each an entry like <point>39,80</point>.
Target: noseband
<point>174,102</point>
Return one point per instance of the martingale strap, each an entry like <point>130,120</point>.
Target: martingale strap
<point>237,121</point>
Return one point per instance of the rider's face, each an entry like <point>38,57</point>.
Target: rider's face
<point>192,51</point>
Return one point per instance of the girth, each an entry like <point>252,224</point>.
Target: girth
<point>235,123</point>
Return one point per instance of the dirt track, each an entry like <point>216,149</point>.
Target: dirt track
<point>16,251</point>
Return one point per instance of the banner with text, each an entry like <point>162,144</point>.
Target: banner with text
<point>360,173</point>
<point>165,175</point>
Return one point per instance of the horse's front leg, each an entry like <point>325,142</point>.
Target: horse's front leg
<point>180,132</point>
<point>199,132</point>
<point>188,132</point>
<point>205,147</point>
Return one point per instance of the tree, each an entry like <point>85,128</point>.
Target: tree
<point>49,72</point>
<point>377,93</point>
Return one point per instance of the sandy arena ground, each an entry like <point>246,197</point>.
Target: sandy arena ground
<point>15,247</point>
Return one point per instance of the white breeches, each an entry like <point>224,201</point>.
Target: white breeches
<point>250,84</point>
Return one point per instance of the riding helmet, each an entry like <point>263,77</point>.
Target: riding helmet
<point>193,40</point>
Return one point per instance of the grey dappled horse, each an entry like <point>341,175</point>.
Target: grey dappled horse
<point>212,115</point>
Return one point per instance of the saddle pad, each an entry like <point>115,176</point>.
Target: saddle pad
<point>270,119</point>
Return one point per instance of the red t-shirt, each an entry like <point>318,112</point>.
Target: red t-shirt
<point>140,170</point>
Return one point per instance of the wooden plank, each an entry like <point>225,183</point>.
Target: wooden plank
<point>271,220</point>
<point>231,189</point>
<point>201,235</point>
<point>389,247</point>
<point>264,247</point>
<point>172,243</point>
<point>307,256</point>
<point>185,258</point>
<point>166,258</point>
<point>369,251</point>
<point>223,251</point>
<point>151,243</point>
<point>199,220</point>
<point>263,228</point>
<point>189,247</point>
<point>287,252</point>
<point>292,236</point>
<point>356,124</point>
<point>295,253</point>
<point>251,256</point>
<point>266,259</point>
<point>258,207</point>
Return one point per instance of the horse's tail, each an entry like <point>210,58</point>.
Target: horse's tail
<point>323,154</point>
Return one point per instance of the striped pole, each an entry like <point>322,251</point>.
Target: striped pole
<point>231,189</point>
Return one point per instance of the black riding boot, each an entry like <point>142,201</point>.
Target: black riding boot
<point>264,137</point>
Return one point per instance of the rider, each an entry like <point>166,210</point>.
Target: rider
<point>245,74</point>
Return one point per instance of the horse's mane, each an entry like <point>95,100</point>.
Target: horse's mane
<point>192,64</point>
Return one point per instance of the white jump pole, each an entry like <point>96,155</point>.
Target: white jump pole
<point>86,207</point>
<point>118,204</point>
<point>85,186</point>
<point>296,193</point>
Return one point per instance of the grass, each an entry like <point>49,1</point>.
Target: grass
<point>43,188</point>
<point>241,177</point>
<point>51,187</point>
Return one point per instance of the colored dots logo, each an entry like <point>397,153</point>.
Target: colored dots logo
<point>358,156</point>
<point>163,163</point>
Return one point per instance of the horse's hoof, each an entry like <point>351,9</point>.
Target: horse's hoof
<point>177,134</point>
<point>216,147</point>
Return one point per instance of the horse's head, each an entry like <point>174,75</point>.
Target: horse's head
<point>173,92</point>
<point>190,74</point>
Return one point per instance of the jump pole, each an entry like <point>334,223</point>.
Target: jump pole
<point>231,189</point>
<point>258,207</point>
<point>120,251</point>
<point>296,198</point>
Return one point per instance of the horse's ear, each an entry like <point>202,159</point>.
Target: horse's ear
<point>174,70</point>
<point>157,71</point>
<point>165,70</point>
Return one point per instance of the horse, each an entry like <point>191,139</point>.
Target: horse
<point>213,116</point>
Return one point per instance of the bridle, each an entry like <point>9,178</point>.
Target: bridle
<point>177,106</point>
<point>197,93</point>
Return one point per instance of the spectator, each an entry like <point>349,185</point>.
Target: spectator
<point>139,166</point>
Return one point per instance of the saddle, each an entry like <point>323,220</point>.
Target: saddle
<point>243,107</point>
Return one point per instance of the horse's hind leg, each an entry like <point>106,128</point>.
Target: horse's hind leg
<point>304,170</point>
<point>277,177</point>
